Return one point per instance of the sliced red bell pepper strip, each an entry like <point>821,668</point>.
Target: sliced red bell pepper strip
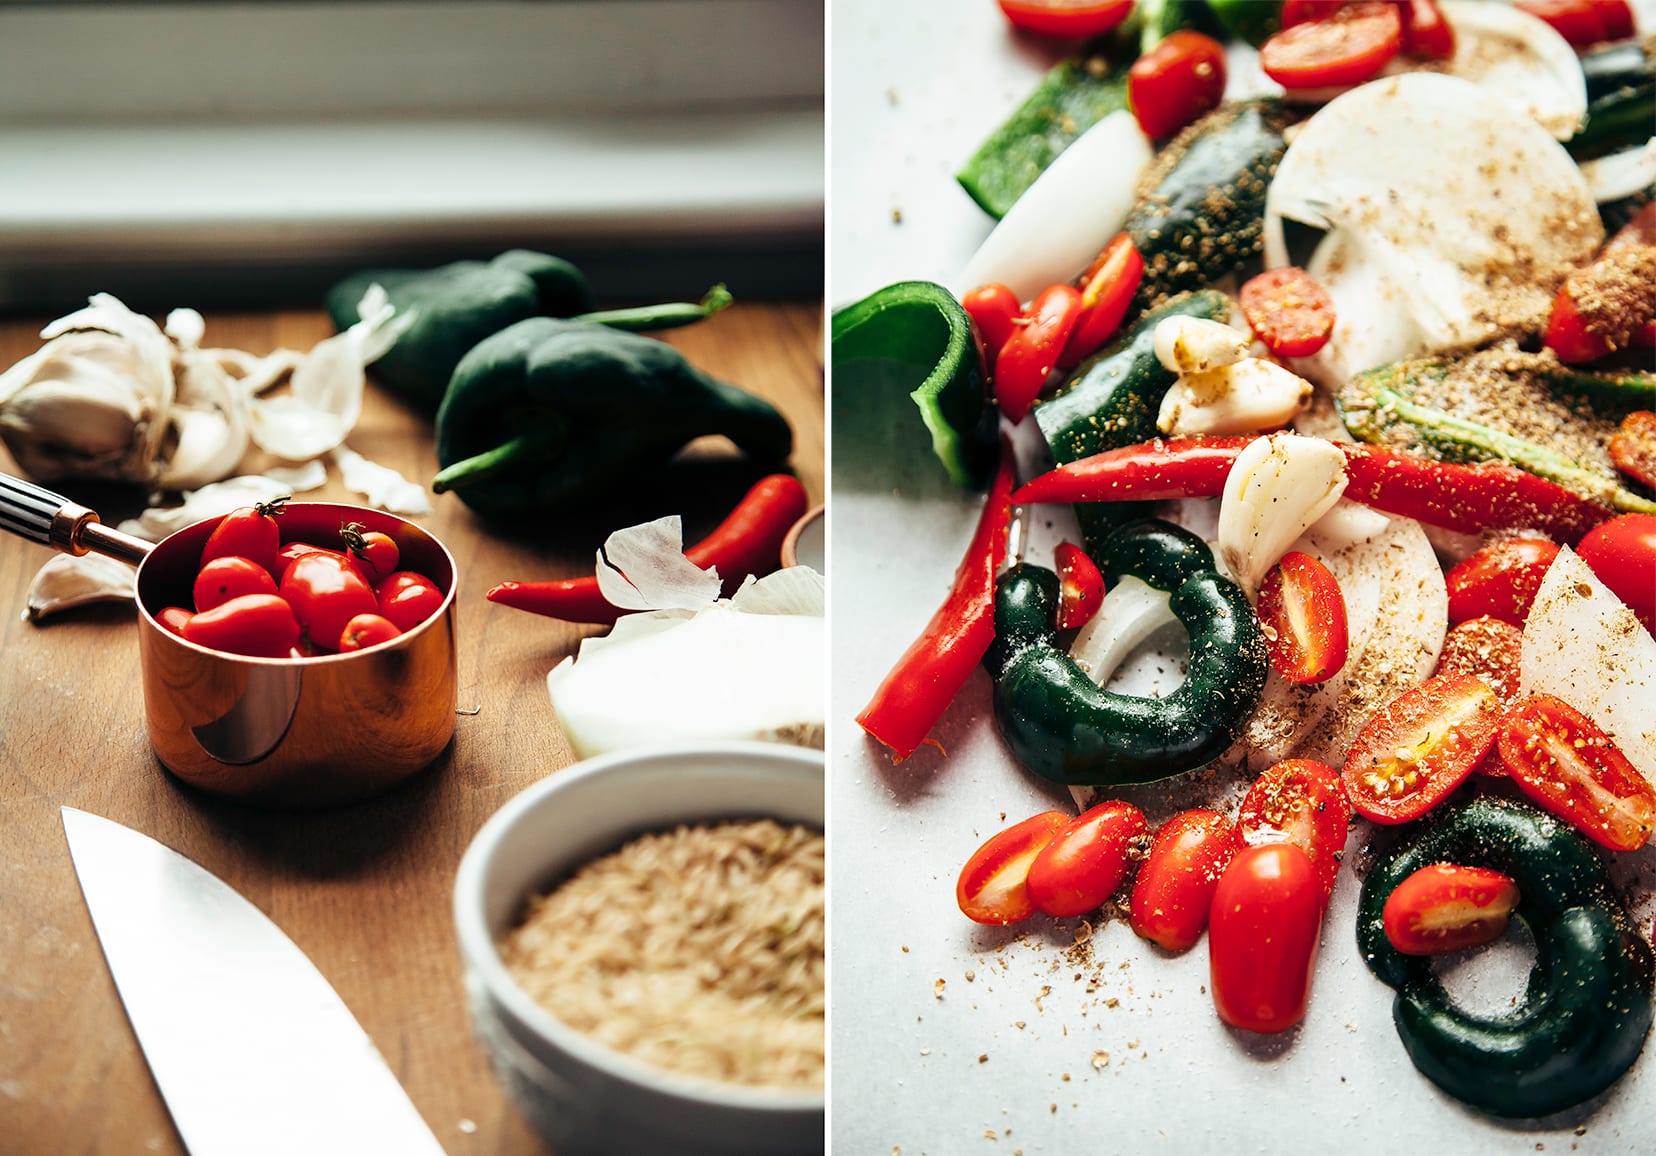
<point>931,672</point>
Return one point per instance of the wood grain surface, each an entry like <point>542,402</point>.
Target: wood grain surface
<point>364,891</point>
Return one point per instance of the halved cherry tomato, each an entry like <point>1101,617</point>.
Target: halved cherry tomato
<point>1299,11</point>
<point>1080,586</point>
<point>1085,861</point>
<point>1426,34</point>
<point>1075,19</point>
<point>1443,908</point>
<point>326,592</point>
<point>1303,802</point>
<point>994,310</point>
<point>1488,648</point>
<point>408,599</point>
<point>1348,46</point>
<point>261,625</point>
<point>1633,446</point>
<point>248,532</point>
<point>993,887</point>
<point>174,618</point>
<point>1107,289</point>
<point>1031,353</point>
<point>1577,21</point>
<point>1175,82</point>
<point>375,553</point>
<point>1288,311</point>
<point>1622,554</point>
<point>1263,936</point>
<point>1573,769</point>
<point>1304,615</point>
<point>1418,749</point>
<point>367,630</point>
<point>1500,580</point>
<point>1174,889</point>
<point>230,577</point>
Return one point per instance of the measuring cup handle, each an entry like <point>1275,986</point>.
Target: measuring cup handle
<point>30,511</point>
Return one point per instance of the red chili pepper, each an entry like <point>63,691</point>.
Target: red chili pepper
<point>1031,353</point>
<point>748,541</point>
<point>1456,496</point>
<point>1107,289</point>
<point>931,672</point>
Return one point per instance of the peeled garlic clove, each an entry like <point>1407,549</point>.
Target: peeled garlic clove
<point>1279,486</point>
<point>67,581</point>
<point>1245,397</point>
<point>1187,344</point>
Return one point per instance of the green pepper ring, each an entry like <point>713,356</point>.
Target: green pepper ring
<point>1587,1006</point>
<point>1063,726</point>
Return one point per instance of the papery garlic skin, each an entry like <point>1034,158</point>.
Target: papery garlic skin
<point>1279,487</point>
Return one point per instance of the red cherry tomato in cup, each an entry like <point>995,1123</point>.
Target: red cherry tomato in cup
<point>1175,82</point>
<point>1350,45</point>
<point>1419,748</point>
<point>260,625</point>
<point>1085,861</point>
<point>1074,19</point>
<point>292,550</point>
<point>994,310</point>
<point>1289,311</point>
<point>1263,936</point>
<point>1107,289</point>
<point>1500,580</point>
<point>408,599</point>
<point>174,618</point>
<point>1174,887</point>
<point>1622,555</point>
<point>993,887</point>
<point>1303,802</point>
<point>366,630</point>
<point>326,592</point>
<point>1304,614</point>
<point>1443,908</point>
<point>1031,353</point>
<point>249,532</point>
<point>1080,586</point>
<point>1571,768</point>
<point>375,554</point>
<point>229,577</point>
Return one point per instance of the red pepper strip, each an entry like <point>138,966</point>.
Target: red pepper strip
<point>1468,498</point>
<point>931,672</point>
<point>748,541</point>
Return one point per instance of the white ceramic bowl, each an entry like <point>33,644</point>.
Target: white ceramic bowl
<point>579,1095</point>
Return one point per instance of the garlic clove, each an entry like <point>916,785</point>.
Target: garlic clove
<point>1245,397</point>
<point>68,580</point>
<point>1279,486</point>
<point>1187,344</point>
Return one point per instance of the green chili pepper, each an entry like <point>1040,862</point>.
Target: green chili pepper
<point>1064,727</point>
<point>550,413</point>
<point>915,336</point>
<point>1587,1008</point>
<point>1248,20</point>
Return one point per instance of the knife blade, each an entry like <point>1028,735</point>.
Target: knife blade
<point>252,1049</point>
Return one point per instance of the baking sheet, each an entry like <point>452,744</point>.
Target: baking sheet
<point>948,1037</point>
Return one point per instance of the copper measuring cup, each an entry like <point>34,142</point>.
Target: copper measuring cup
<point>302,733</point>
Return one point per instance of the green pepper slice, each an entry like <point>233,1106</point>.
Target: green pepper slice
<point>1587,1007</point>
<point>1064,727</point>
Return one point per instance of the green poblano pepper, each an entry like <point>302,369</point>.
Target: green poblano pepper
<point>550,413</point>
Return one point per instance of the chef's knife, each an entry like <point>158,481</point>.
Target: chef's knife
<point>252,1049</point>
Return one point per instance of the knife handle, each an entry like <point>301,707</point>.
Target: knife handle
<point>39,515</point>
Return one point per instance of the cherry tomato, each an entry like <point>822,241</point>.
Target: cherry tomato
<point>292,550</point>
<point>1080,586</point>
<point>994,310</point>
<point>1073,19</point>
<point>1617,17</point>
<point>1426,34</point>
<point>408,599</point>
<point>1568,333</point>
<point>1622,554</point>
<point>1107,289</point>
<point>1348,46</point>
<point>1489,649</point>
<point>248,532</point>
<point>367,630</point>
<point>1299,11</point>
<point>1175,82</point>
<point>1303,802</point>
<point>1443,908</point>
<point>1418,749</point>
<point>1633,446</point>
<point>326,593</point>
<point>1577,21</point>
<point>1175,883</point>
<point>993,887</point>
<point>1573,769</point>
<point>1031,353</point>
<point>1262,940</point>
<point>230,577</point>
<point>1289,311</point>
<point>174,618</point>
<point>1500,580</point>
<point>1085,861</point>
<point>375,554</point>
<point>261,625</point>
<point>1304,615</point>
